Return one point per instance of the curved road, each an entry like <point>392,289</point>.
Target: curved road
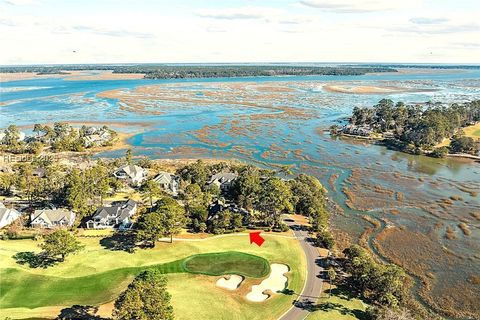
<point>313,283</point>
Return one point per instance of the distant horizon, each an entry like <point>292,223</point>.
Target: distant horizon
<point>299,63</point>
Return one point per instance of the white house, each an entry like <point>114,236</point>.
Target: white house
<point>167,182</point>
<point>96,137</point>
<point>223,180</point>
<point>114,216</point>
<point>131,174</point>
<point>51,218</point>
<point>7,215</point>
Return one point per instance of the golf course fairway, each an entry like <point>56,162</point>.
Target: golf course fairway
<point>97,275</point>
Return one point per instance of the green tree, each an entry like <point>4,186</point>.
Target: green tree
<point>60,243</point>
<point>325,239</point>
<point>247,187</point>
<point>309,199</point>
<point>146,298</point>
<point>202,227</point>
<point>7,181</point>
<point>151,189</point>
<point>129,156</point>
<point>77,192</point>
<point>440,152</point>
<point>35,147</point>
<point>150,228</point>
<point>275,198</point>
<point>12,136</point>
<point>385,285</point>
<point>332,275</point>
<point>462,144</point>
<point>196,172</point>
<point>172,217</point>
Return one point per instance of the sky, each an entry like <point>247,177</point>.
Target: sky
<point>181,31</point>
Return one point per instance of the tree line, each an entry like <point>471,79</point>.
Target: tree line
<point>416,129</point>
<point>256,199</point>
<point>57,138</point>
<point>163,71</point>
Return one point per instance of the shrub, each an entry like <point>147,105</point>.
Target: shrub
<point>439,152</point>
<point>325,239</point>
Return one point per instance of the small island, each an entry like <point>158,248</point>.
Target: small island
<point>435,130</point>
<point>166,71</point>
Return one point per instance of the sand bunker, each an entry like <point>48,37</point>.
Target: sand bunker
<point>274,283</point>
<point>231,282</point>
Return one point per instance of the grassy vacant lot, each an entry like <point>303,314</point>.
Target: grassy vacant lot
<point>97,275</point>
<point>473,131</point>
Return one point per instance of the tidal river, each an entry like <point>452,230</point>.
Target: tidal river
<point>401,206</point>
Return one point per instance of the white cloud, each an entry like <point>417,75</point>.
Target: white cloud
<point>294,32</point>
<point>21,2</point>
<point>111,32</point>
<point>237,13</point>
<point>437,29</point>
<point>355,6</point>
<point>424,20</point>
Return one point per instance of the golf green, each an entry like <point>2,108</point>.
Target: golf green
<point>232,262</point>
<point>24,289</point>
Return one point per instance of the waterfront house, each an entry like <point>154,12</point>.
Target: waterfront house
<point>96,137</point>
<point>115,216</point>
<point>7,216</point>
<point>167,182</point>
<point>223,180</point>
<point>131,174</point>
<point>51,218</point>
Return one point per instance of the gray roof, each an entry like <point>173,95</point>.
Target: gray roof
<point>6,211</point>
<point>53,215</point>
<point>223,177</point>
<point>132,170</point>
<point>121,211</point>
<point>164,177</point>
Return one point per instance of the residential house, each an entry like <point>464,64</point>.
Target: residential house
<point>223,180</point>
<point>117,215</point>
<point>363,131</point>
<point>131,174</point>
<point>167,182</point>
<point>96,137</point>
<point>7,216</point>
<point>51,218</point>
<point>219,205</point>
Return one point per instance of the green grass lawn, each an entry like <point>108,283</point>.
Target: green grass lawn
<point>472,131</point>
<point>338,306</point>
<point>16,289</point>
<point>217,264</point>
<point>97,275</point>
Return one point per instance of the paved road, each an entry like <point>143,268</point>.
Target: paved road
<point>313,284</point>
